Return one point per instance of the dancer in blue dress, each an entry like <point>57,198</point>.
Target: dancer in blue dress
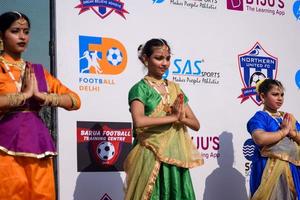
<point>275,172</point>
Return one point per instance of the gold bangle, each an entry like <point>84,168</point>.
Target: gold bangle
<point>74,102</point>
<point>55,100</point>
<point>15,100</point>
<point>46,100</point>
<point>51,100</point>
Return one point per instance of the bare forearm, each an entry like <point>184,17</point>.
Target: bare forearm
<point>191,123</point>
<point>146,121</point>
<point>263,138</point>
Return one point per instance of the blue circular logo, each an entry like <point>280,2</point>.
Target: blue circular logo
<point>296,9</point>
<point>297,78</point>
<point>250,150</point>
<point>158,1</point>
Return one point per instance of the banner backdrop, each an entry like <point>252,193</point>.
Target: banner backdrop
<point>220,49</point>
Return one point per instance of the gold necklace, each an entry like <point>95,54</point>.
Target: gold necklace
<point>276,116</point>
<point>155,81</point>
<point>20,65</point>
<point>165,97</point>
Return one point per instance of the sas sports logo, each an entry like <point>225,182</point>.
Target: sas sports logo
<point>103,8</point>
<point>98,55</point>
<point>254,65</point>
<point>296,9</point>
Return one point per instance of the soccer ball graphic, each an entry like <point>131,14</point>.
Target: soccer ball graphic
<point>114,56</point>
<point>255,77</point>
<point>105,150</point>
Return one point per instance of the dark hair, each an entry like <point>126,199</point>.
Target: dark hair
<point>147,48</point>
<point>8,18</point>
<point>268,84</point>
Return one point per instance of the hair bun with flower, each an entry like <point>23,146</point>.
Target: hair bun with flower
<point>258,84</point>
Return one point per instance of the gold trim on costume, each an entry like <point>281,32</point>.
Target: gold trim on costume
<point>26,154</point>
<point>281,156</point>
<point>152,179</point>
<point>74,102</point>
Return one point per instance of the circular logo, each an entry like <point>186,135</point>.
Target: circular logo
<point>297,78</point>
<point>158,1</point>
<point>250,150</point>
<point>105,150</point>
<point>296,9</point>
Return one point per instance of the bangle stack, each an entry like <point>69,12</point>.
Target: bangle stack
<point>51,100</point>
<point>17,99</point>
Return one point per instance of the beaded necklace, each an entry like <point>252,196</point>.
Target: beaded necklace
<point>165,97</point>
<point>20,65</point>
<point>278,117</point>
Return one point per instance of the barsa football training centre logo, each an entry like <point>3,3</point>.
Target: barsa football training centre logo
<point>102,146</point>
<point>99,55</point>
<point>255,65</point>
<point>103,8</point>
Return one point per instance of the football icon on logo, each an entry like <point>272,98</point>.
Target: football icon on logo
<point>114,56</point>
<point>255,77</point>
<point>105,151</point>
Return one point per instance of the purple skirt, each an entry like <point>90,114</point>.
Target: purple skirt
<point>25,134</point>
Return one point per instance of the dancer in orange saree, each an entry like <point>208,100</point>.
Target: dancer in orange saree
<point>26,146</point>
<point>158,165</point>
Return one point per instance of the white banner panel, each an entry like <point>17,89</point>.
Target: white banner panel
<point>219,49</point>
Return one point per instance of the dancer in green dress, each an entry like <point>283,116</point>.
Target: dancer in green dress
<point>158,165</point>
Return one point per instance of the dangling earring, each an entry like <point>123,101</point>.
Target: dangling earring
<point>146,64</point>
<point>1,45</point>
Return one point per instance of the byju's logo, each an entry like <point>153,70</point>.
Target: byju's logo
<point>235,5</point>
<point>255,65</point>
<point>99,55</point>
<point>273,7</point>
<point>296,9</point>
<point>103,8</point>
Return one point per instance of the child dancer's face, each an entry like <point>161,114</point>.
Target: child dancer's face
<point>16,37</point>
<point>273,99</point>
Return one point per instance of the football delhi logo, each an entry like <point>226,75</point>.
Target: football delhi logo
<point>103,8</point>
<point>99,55</point>
<point>255,65</point>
